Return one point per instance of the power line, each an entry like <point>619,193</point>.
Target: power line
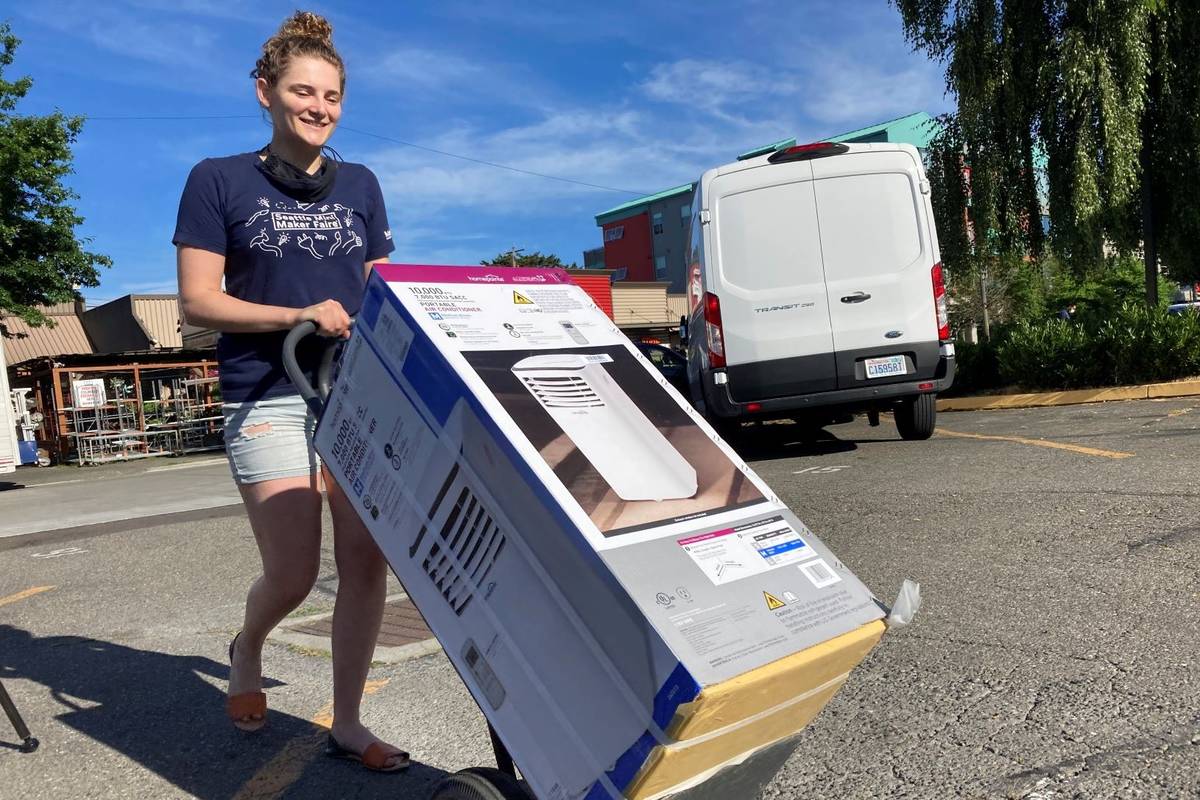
<point>167,118</point>
<point>393,140</point>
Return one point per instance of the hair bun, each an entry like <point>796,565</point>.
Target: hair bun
<point>307,25</point>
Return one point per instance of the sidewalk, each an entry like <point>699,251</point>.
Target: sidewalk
<point>1150,391</point>
<point>34,500</point>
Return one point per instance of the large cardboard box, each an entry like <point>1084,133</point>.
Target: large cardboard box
<point>634,610</point>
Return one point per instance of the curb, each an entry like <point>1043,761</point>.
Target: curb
<point>322,644</point>
<point>1150,391</point>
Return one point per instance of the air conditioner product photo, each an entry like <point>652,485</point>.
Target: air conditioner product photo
<point>679,658</point>
<point>628,451</point>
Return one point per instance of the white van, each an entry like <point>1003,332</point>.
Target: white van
<point>815,288</point>
<point>9,457</point>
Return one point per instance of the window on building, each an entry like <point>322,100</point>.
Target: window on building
<point>620,273</point>
<point>685,211</point>
<point>614,233</point>
<point>658,225</point>
<point>660,267</point>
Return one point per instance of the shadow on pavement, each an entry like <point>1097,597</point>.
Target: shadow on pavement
<point>159,711</point>
<point>8,485</point>
<point>784,440</point>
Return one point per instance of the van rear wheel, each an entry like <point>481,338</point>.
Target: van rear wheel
<point>916,417</point>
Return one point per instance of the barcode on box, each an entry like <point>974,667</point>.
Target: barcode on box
<point>819,573</point>
<point>393,335</point>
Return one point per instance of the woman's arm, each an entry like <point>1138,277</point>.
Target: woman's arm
<point>203,302</point>
<point>369,265</point>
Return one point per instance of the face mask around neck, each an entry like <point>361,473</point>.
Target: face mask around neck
<point>295,182</point>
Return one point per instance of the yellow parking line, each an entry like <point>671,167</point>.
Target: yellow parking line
<point>1074,448</point>
<point>30,592</point>
<point>288,764</point>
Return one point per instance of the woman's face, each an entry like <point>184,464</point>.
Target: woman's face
<point>306,102</point>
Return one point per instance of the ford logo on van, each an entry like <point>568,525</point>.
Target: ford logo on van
<point>894,334</point>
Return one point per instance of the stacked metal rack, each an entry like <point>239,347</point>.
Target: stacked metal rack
<point>197,414</point>
<point>176,418</point>
<point>111,432</point>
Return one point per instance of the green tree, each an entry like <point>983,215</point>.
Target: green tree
<point>535,259</point>
<point>1096,98</point>
<point>41,259</point>
<point>1172,137</point>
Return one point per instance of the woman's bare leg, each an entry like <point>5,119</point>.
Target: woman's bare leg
<point>362,584</point>
<point>285,515</point>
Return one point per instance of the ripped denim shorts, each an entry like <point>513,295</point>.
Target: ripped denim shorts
<point>268,439</point>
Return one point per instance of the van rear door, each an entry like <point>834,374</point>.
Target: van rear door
<point>878,257</point>
<point>767,274</point>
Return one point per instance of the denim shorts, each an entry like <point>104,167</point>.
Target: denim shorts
<point>268,439</point>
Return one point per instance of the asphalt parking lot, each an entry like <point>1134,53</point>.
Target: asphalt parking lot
<point>1057,654</point>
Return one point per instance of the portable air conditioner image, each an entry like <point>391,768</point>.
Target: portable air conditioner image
<point>628,451</point>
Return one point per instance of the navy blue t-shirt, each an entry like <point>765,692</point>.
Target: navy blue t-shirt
<point>280,252</point>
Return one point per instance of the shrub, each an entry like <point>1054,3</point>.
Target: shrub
<point>977,368</point>
<point>1134,344</point>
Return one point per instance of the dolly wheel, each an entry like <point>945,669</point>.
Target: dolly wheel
<point>479,783</point>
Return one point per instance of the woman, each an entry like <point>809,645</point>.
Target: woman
<point>292,234</point>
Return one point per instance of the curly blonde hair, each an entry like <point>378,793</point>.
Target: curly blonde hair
<point>302,34</point>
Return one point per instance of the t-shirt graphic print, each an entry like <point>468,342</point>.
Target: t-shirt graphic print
<point>325,231</point>
<point>281,252</point>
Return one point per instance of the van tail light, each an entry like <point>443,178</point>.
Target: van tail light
<point>712,327</point>
<point>939,304</point>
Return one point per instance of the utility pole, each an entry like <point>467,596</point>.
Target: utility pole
<point>512,254</point>
<point>983,279</point>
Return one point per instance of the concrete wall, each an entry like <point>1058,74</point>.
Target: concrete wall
<point>670,245</point>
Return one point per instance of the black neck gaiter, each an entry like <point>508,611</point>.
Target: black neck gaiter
<point>295,182</point>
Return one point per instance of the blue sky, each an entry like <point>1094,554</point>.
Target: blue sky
<point>632,96</point>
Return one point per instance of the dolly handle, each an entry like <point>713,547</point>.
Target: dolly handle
<point>313,397</point>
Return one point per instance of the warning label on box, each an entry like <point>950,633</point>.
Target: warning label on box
<point>495,316</point>
<point>735,553</point>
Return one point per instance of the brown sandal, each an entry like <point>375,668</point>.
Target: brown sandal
<point>247,710</point>
<point>375,757</point>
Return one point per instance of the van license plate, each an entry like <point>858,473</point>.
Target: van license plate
<point>885,367</point>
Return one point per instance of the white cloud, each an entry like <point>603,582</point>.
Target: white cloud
<point>215,9</point>
<point>142,47</point>
<point>851,93</point>
<point>713,86</point>
<point>619,151</point>
<point>559,22</point>
<point>702,114</point>
<point>422,68</point>
<point>439,79</point>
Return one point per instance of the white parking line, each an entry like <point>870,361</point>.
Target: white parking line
<point>53,483</point>
<point>208,462</point>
